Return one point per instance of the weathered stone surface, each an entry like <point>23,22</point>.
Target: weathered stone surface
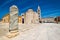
<point>13,18</point>
<point>44,31</point>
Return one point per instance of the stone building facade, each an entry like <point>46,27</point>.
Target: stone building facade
<point>6,18</point>
<point>57,19</point>
<point>20,19</point>
<point>27,18</point>
<point>31,17</point>
<point>48,20</point>
<point>35,18</point>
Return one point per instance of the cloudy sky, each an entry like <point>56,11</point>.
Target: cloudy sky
<point>49,8</point>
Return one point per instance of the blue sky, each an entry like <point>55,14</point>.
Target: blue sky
<point>48,7</point>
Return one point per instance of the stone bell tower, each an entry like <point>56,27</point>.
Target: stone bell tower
<point>39,13</point>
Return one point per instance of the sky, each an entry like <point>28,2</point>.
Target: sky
<point>49,8</point>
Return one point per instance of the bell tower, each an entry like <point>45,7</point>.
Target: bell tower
<point>39,13</point>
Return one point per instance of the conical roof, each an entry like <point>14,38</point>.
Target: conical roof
<point>38,7</point>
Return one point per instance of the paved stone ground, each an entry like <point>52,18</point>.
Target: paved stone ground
<point>44,31</point>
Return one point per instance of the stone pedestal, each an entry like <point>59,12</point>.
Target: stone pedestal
<point>12,34</point>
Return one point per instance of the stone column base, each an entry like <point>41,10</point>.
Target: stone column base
<point>12,34</point>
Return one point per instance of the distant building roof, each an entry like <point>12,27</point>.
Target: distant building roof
<point>30,10</point>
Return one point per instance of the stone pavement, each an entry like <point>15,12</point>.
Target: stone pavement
<point>44,31</point>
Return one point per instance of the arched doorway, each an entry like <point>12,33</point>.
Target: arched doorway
<point>22,20</point>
